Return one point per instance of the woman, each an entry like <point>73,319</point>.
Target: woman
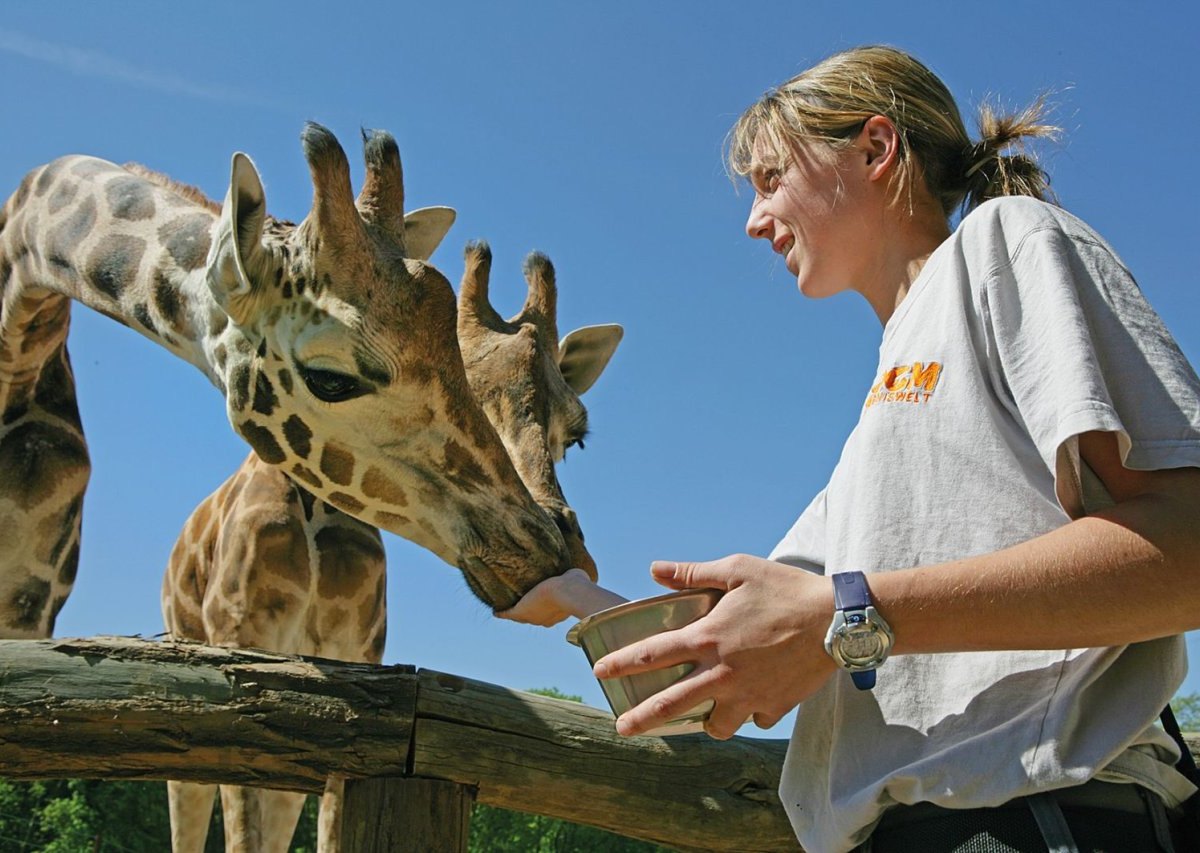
<point>1021,492</point>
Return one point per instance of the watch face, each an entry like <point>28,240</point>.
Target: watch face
<point>861,644</point>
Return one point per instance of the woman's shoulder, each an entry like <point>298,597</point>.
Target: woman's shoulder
<point>1003,225</point>
<point>1014,214</point>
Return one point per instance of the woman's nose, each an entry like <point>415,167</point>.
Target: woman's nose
<point>758,224</point>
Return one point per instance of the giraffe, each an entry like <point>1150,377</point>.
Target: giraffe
<point>336,354</point>
<point>263,563</point>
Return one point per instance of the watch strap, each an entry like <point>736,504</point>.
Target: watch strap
<point>864,680</point>
<point>850,591</point>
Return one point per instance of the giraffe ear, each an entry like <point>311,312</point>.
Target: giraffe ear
<point>236,256</point>
<point>584,353</point>
<point>424,230</point>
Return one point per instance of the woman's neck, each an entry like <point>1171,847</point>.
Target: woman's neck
<point>915,236</point>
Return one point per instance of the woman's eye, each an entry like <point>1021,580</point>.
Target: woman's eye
<point>332,387</point>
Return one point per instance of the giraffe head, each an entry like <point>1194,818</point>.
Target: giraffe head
<point>529,382</point>
<point>338,350</point>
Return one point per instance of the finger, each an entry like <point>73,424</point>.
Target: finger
<point>677,575</point>
<point>657,652</point>
<point>766,720</point>
<point>671,702</point>
<point>535,609</point>
<point>724,721</point>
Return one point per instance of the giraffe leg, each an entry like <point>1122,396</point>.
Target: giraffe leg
<point>191,811</point>
<point>258,820</point>
<point>329,818</point>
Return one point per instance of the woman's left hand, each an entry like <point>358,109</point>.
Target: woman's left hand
<point>759,652</point>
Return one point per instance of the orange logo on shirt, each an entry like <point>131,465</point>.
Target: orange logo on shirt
<point>906,383</point>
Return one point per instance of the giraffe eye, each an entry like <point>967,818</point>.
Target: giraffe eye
<point>574,442</point>
<point>330,386</point>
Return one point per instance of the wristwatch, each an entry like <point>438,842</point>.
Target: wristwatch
<point>859,639</point>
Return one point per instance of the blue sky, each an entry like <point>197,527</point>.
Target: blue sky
<point>591,132</point>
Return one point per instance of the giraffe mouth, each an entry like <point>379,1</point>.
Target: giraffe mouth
<point>488,585</point>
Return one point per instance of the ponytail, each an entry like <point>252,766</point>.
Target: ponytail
<point>992,173</point>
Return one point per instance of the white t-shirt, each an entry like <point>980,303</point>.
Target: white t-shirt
<point>1022,331</point>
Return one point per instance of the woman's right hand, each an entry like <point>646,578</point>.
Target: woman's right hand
<point>759,652</point>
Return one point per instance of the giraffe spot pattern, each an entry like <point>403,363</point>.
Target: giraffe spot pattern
<point>307,500</point>
<point>56,607</point>
<point>392,520</point>
<point>187,240</point>
<point>36,460</point>
<point>239,388</point>
<point>47,324</point>
<point>337,463</point>
<point>58,529</point>
<point>28,602</point>
<point>298,435</point>
<point>280,543</point>
<point>301,473</point>
<point>70,233</point>
<point>217,321</point>
<point>166,300</point>
<point>23,191</point>
<point>129,198</point>
<point>285,381</point>
<point>347,503</point>
<point>89,168</point>
<point>142,314</point>
<point>70,565</point>
<point>63,195</point>
<point>46,179</point>
<point>263,441</point>
<point>378,486</point>
<point>462,469</point>
<point>113,264</point>
<point>265,400</point>
<point>347,557</point>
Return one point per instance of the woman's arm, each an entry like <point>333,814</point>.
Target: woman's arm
<point>1126,574</point>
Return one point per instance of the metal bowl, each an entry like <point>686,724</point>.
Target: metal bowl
<point>627,623</point>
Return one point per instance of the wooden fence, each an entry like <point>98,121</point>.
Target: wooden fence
<point>416,747</point>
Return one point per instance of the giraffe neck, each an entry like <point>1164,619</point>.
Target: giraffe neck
<point>87,230</point>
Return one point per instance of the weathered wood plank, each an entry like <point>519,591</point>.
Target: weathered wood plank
<point>118,708</point>
<point>563,759</point>
<point>399,815</point>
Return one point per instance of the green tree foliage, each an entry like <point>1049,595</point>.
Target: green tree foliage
<point>1187,711</point>
<point>83,816</point>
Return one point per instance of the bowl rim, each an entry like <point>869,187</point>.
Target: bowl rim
<point>637,604</point>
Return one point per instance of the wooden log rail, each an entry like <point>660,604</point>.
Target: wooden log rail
<point>119,708</point>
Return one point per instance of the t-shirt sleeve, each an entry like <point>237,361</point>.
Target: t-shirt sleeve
<point>1077,348</point>
<point>804,544</point>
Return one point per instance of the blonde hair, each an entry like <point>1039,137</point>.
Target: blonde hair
<point>831,101</point>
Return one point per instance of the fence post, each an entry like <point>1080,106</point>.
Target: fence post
<point>397,814</point>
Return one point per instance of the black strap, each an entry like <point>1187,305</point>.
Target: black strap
<point>1186,764</point>
<point>1189,827</point>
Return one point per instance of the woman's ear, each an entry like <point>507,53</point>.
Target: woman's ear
<point>879,140</point>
